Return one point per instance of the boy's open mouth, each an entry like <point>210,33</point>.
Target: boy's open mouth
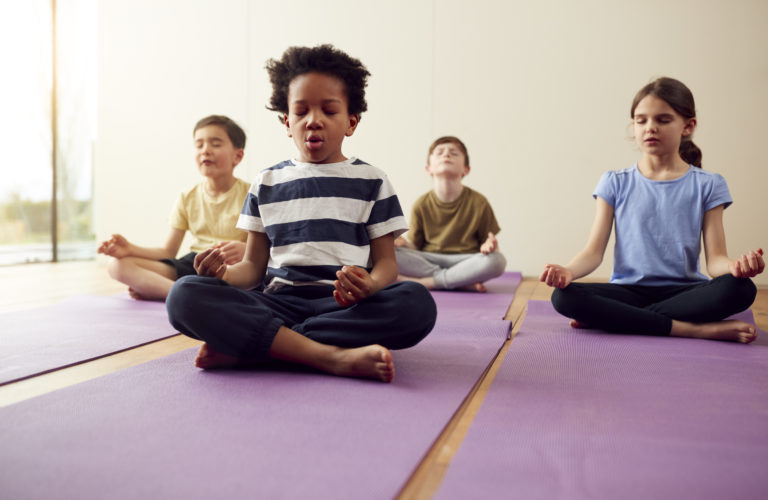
<point>314,142</point>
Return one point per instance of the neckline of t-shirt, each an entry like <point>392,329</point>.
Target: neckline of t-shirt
<point>663,181</point>
<point>215,199</point>
<point>348,161</point>
<point>464,193</point>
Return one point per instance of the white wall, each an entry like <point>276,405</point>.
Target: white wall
<point>539,91</point>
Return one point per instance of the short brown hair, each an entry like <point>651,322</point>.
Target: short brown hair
<point>452,140</point>
<point>234,132</point>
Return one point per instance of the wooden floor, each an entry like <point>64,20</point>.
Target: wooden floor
<point>36,285</point>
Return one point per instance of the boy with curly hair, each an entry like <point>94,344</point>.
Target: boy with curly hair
<point>321,230</point>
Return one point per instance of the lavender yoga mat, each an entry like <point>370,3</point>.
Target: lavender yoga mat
<point>582,414</point>
<point>493,305</point>
<point>167,430</point>
<point>75,330</point>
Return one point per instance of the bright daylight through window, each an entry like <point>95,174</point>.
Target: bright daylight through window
<point>38,97</point>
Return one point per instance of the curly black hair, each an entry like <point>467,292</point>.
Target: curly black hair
<point>325,59</point>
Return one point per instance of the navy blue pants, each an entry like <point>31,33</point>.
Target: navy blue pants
<point>649,310</point>
<point>244,323</point>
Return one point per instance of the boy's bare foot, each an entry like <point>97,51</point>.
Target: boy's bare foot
<point>474,287</point>
<point>577,324</point>
<point>371,361</point>
<point>208,358</point>
<point>137,296</point>
<point>731,330</point>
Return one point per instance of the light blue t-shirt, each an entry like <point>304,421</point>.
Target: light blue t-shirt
<point>658,224</point>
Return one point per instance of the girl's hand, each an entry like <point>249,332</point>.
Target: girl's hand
<point>556,276</point>
<point>233,251</point>
<point>117,246</point>
<point>353,285</point>
<point>748,265</point>
<point>490,245</point>
<point>210,262</point>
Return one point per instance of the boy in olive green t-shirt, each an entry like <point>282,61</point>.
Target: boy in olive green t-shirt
<point>451,240</point>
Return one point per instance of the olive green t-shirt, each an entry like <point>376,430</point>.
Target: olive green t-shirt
<point>460,226</point>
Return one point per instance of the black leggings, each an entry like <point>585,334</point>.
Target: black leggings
<point>649,310</point>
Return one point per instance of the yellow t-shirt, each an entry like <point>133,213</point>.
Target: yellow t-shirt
<point>461,226</point>
<point>211,220</point>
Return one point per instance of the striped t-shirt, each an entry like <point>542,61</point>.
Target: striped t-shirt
<point>320,217</point>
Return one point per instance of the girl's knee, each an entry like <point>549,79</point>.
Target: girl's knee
<point>742,291</point>
<point>562,300</point>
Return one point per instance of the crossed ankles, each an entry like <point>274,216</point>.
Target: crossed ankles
<point>372,361</point>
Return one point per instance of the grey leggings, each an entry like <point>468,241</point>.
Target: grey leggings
<point>450,270</point>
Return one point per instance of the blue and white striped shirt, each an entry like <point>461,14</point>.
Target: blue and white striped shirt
<point>320,217</point>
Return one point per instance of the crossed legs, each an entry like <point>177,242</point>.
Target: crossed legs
<point>246,327</point>
<point>696,311</point>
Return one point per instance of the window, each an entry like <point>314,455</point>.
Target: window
<point>47,107</point>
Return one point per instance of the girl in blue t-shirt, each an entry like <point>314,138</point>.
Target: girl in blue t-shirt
<point>662,207</point>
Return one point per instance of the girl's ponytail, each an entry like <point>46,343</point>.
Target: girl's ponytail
<point>690,153</point>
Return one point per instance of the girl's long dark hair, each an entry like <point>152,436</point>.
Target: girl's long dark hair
<point>680,98</point>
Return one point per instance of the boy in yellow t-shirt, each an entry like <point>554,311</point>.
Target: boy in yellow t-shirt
<point>209,211</point>
<point>452,235</point>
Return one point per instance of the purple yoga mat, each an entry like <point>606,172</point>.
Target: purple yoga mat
<point>493,305</point>
<point>165,429</point>
<point>76,330</point>
<point>578,414</point>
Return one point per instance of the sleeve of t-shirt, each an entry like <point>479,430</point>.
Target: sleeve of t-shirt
<point>387,215</point>
<point>416,227</point>
<point>606,188</point>
<point>491,225</point>
<point>178,218</point>
<point>718,194</point>
<point>250,217</point>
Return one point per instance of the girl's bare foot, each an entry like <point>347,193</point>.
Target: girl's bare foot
<point>371,361</point>
<point>731,330</point>
<point>208,358</point>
